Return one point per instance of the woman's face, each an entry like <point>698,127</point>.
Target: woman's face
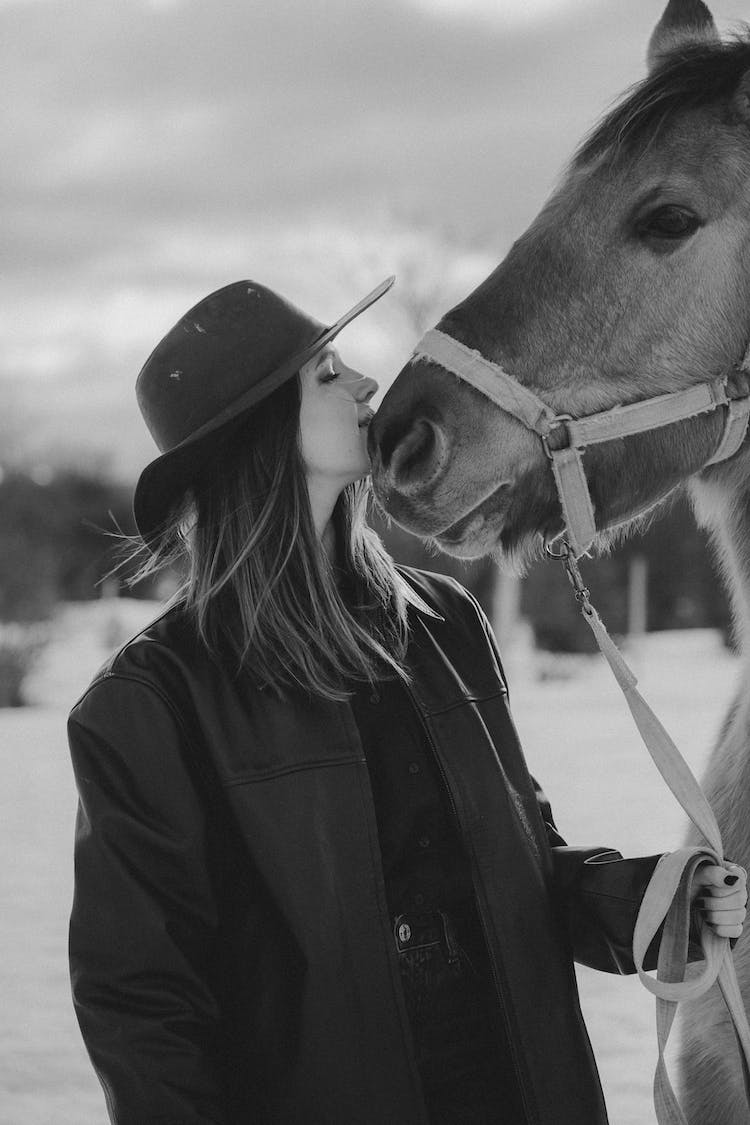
<point>334,417</point>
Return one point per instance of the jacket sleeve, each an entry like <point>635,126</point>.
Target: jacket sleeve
<point>144,915</point>
<point>599,895</point>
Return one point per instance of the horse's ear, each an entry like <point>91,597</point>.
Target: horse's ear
<point>684,22</point>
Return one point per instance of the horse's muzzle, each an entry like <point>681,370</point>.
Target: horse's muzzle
<point>408,458</point>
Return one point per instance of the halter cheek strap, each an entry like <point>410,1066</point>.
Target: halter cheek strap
<point>565,447</point>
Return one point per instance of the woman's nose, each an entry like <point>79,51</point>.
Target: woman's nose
<point>359,385</point>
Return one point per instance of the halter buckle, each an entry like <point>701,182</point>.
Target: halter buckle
<point>737,382</point>
<point>560,421</point>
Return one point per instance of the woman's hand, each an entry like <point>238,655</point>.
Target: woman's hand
<point>720,897</point>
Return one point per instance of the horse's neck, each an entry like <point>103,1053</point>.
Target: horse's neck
<point>725,511</point>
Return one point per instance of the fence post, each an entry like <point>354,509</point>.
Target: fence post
<point>637,595</point>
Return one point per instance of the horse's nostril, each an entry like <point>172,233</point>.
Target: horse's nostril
<point>418,456</point>
<point>383,439</point>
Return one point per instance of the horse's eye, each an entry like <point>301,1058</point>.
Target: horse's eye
<point>670,222</point>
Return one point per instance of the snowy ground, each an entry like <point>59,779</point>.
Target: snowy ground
<point>579,742</point>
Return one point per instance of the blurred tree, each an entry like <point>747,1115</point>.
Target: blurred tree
<point>684,590</point>
<point>434,268</point>
<point>53,544</point>
<point>90,510</point>
<point>28,564</point>
<point>547,602</point>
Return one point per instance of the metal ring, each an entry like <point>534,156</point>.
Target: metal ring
<point>563,553</point>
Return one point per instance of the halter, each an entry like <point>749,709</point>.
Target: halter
<point>565,438</point>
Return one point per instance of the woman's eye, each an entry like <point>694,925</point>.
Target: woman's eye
<point>329,376</point>
<point>670,222</point>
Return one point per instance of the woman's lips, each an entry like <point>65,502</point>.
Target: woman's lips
<point>366,417</point>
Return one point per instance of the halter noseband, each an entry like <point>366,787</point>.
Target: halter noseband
<point>607,425</point>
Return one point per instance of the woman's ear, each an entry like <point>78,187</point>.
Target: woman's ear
<point>684,22</point>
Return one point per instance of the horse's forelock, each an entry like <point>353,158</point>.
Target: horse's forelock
<point>696,77</point>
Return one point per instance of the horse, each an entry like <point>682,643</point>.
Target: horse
<point>633,281</point>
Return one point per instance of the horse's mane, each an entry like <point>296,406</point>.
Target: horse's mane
<point>698,75</point>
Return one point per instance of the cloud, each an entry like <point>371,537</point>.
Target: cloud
<point>131,116</point>
<point>153,150</point>
<point>509,13</point>
<point>165,108</point>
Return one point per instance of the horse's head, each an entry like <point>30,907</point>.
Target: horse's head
<point>633,281</point>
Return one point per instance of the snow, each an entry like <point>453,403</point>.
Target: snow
<point>579,741</point>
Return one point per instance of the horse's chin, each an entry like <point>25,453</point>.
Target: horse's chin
<point>509,525</point>
<point>469,533</point>
<point>467,549</point>
<point>471,537</point>
<point>512,552</point>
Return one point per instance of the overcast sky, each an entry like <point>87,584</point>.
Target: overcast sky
<point>156,149</point>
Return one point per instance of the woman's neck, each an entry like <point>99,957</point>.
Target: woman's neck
<point>322,504</point>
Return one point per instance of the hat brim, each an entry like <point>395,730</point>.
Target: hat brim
<point>165,480</point>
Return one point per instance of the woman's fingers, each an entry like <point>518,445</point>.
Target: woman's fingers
<point>732,901</point>
<point>726,931</point>
<point>721,897</point>
<point>724,916</point>
<point>729,877</point>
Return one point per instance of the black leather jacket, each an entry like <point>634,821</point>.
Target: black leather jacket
<point>231,953</point>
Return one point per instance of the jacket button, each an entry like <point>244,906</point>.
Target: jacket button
<point>404,932</point>
<point>413,767</point>
<point>375,696</point>
<point>424,841</point>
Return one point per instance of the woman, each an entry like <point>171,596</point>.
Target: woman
<point>314,880</point>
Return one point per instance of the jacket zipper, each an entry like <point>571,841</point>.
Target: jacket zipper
<point>500,987</point>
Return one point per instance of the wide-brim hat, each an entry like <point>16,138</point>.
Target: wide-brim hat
<point>226,354</point>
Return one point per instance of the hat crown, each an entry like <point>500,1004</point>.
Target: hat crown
<point>226,354</point>
<point>222,348</point>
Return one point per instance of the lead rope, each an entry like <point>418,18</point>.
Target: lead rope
<point>668,896</point>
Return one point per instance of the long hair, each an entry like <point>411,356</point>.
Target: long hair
<point>259,585</point>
